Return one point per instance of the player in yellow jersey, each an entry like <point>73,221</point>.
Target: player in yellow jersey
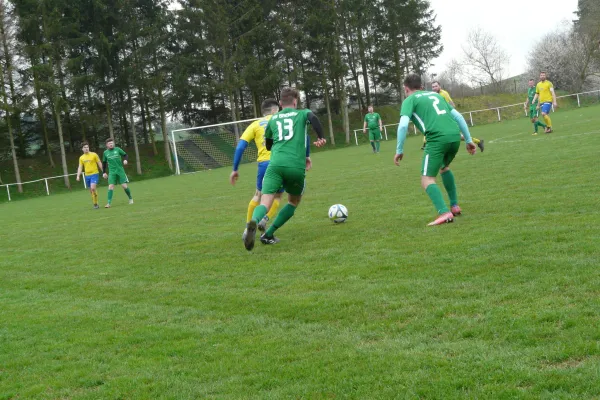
<point>256,132</point>
<point>90,163</point>
<point>436,87</point>
<point>544,92</point>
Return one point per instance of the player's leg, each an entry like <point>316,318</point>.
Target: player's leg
<point>94,191</point>
<point>546,107</point>
<point>448,178</point>
<point>262,225</point>
<point>255,202</point>
<point>433,161</point>
<point>271,183</point>
<point>372,140</point>
<point>113,179</point>
<point>377,135</point>
<point>294,183</point>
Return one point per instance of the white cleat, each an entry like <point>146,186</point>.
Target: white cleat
<point>130,201</point>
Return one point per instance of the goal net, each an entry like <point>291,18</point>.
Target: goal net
<point>209,147</point>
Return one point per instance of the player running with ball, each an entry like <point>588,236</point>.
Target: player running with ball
<point>285,137</point>
<point>442,126</point>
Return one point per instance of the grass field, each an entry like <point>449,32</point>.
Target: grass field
<point>160,300</point>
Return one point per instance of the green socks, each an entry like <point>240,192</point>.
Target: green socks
<point>377,146</point>
<point>128,193</point>
<point>373,146</point>
<point>259,213</point>
<point>450,185</point>
<point>284,215</point>
<point>538,123</point>
<point>110,195</point>
<point>435,194</point>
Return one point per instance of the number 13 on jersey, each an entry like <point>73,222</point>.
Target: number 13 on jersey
<point>288,127</point>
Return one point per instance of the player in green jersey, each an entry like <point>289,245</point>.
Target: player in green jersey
<point>114,171</point>
<point>375,125</point>
<point>533,114</point>
<point>285,137</point>
<point>442,126</point>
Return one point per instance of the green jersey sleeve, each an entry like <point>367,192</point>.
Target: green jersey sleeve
<point>408,107</point>
<point>104,157</point>
<point>269,131</point>
<point>122,152</point>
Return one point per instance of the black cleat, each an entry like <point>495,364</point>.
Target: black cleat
<point>96,206</point>
<point>268,240</point>
<point>250,235</point>
<point>480,145</point>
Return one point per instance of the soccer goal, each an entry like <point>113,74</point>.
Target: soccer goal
<point>208,147</point>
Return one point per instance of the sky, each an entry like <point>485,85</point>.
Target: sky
<point>516,24</point>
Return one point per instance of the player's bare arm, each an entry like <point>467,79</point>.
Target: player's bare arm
<point>553,97</point>
<point>78,172</point>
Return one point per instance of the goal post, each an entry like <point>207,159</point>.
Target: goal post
<point>208,147</point>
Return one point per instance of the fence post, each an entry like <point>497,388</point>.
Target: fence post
<point>84,184</point>
<point>385,130</point>
<point>471,117</point>
<point>355,137</point>
<point>498,114</point>
<point>415,128</point>
<point>8,191</point>
<point>47,190</point>
<point>578,103</point>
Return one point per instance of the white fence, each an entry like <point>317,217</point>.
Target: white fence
<point>497,109</point>
<point>8,185</point>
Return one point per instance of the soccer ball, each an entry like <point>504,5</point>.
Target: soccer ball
<point>338,213</point>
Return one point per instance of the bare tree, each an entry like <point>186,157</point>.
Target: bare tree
<point>487,60</point>
<point>568,56</point>
<point>453,73</point>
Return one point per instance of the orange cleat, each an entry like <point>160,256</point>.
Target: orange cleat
<point>445,218</point>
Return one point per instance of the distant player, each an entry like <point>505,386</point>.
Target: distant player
<point>285,137</point>
<point>533,107</point>
<point>436,87</point>
<point>544,92</point>
<point>256,132</point>
<point>442,126</point>
<point>114,171</point>
<point>375,125</point>
<point>90,163</point>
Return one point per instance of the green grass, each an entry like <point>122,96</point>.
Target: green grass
<point>160,300</point>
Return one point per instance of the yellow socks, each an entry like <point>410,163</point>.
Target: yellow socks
<point>475,140</point>
<point>548,121</point>
<point>253,204</point>
<point>273,211</point>
<point>95,198</point>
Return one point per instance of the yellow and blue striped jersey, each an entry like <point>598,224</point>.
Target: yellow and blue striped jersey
<point>256,132</point>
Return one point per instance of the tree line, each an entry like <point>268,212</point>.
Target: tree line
<point>85,70</point>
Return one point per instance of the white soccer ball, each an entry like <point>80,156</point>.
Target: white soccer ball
<point>338,213</point>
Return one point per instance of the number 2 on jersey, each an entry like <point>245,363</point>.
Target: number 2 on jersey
<point>288,125</point>
<point>436,101</point>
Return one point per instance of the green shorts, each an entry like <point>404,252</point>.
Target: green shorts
<point>117,178</point>
<point>533,112</point>
<point>437,156</point>
<point>374,134</point>
<point>291,179</point>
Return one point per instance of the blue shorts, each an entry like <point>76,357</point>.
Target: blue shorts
<point>546,107</point>
<point>89,179</point>
<point>262,169</point>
